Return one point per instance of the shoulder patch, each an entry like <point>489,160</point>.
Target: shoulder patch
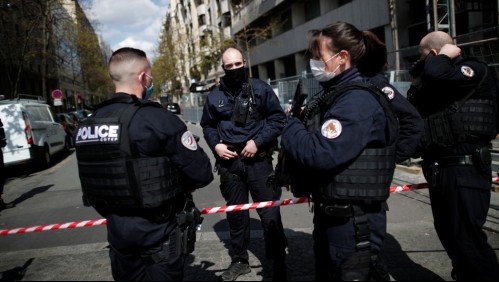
<point>390,93</point>
<point>467,71</point>
<point>331,129</point>
<point>189,142</point>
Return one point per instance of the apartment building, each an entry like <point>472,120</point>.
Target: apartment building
<point>40,52</point>
<point>280,49</point>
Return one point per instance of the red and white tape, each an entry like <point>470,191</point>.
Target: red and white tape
<point>68,225</point>
<point>233,208</point>
<point>251,206</point>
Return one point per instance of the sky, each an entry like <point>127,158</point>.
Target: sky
<point>130,23</point>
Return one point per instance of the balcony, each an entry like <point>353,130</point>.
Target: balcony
<point>224,6</point>
<point>201,9</point>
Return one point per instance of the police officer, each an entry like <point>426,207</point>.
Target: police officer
<point>138,164</point>
<point>241,121</point>
<point>457,98</point>
<point>410,122</point>
<point>343,155</point>
<point>410,125</point>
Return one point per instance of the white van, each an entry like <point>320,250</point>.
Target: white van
<point>32,132</point>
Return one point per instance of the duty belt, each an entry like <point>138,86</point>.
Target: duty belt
<point>336,210</point>
<point>456,160</point>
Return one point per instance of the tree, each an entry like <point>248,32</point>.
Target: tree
<point>170,58</point>
<point>92,58</point>
<point>23,40</point>
<point>250,35</point>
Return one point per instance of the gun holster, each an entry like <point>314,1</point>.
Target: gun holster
<point>187,221</point>
<point>482,159</point>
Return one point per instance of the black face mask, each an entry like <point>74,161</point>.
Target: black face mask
<point>234,78</point>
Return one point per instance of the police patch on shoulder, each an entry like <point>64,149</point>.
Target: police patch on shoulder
<point>467,71</point>
<point>189,142</point>
<point>331,129</point>
<point>390,93</point>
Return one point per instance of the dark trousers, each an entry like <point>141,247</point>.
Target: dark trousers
<point>239,178</point>
<point>460,200</point>
<point>137,260</point>
<point>335,241</point>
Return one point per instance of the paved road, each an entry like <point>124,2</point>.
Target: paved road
<point>412,250</point>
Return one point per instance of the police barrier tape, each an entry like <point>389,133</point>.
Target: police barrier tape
<point>268,204</point>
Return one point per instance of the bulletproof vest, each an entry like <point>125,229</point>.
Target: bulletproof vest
<point>472,118</point>
<point>367,177</point>
<point>112,174</point>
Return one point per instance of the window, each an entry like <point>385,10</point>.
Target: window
<point>312,9</point>
<point>287,21</point>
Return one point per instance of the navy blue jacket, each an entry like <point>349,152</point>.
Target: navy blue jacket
<point>445,81</point>
<point>156,132</point>
<point>362,121</point>
<point>217,112</point>
<point>411,126</point>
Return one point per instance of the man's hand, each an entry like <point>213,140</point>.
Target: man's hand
<point>450,50</point>
<point>224,153</point>
<point>249,150</point>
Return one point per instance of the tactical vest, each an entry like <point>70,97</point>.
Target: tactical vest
<point>369,176</point>
<point>111,173</point>
<point>245,111</point>
<point>472,118</point>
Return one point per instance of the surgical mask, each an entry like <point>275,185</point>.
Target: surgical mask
<point>318,68</point>
<point>149,89</point>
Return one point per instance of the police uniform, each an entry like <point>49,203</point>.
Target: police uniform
<point>346,163</point>
<point>166,163</point>
<point>458,101</point>
<point>241,175</point>
<point>411,126</point>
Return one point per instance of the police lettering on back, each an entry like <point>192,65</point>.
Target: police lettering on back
<point>102,133</point>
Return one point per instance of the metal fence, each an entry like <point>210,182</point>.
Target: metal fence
<point>192,103</point>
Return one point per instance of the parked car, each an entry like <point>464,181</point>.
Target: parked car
<point>81,114</point>
<point>70,126</point>
<point>174,108</point>
<point>32,131</point>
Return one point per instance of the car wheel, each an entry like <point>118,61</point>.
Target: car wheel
<point>46,160</point>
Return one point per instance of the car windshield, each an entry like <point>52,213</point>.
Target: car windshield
<point>80,115</point>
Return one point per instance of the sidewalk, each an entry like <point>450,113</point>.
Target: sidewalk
<point>412,249</point>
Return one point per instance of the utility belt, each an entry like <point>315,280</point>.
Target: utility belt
<point>362,231</point>
<point>456,160</point>
<point>335,210</point>
<point>481,159</point>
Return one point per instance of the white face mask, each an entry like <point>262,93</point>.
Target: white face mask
<point>318,68</point>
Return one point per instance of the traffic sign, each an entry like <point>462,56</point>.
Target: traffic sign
<point>57,94</point>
